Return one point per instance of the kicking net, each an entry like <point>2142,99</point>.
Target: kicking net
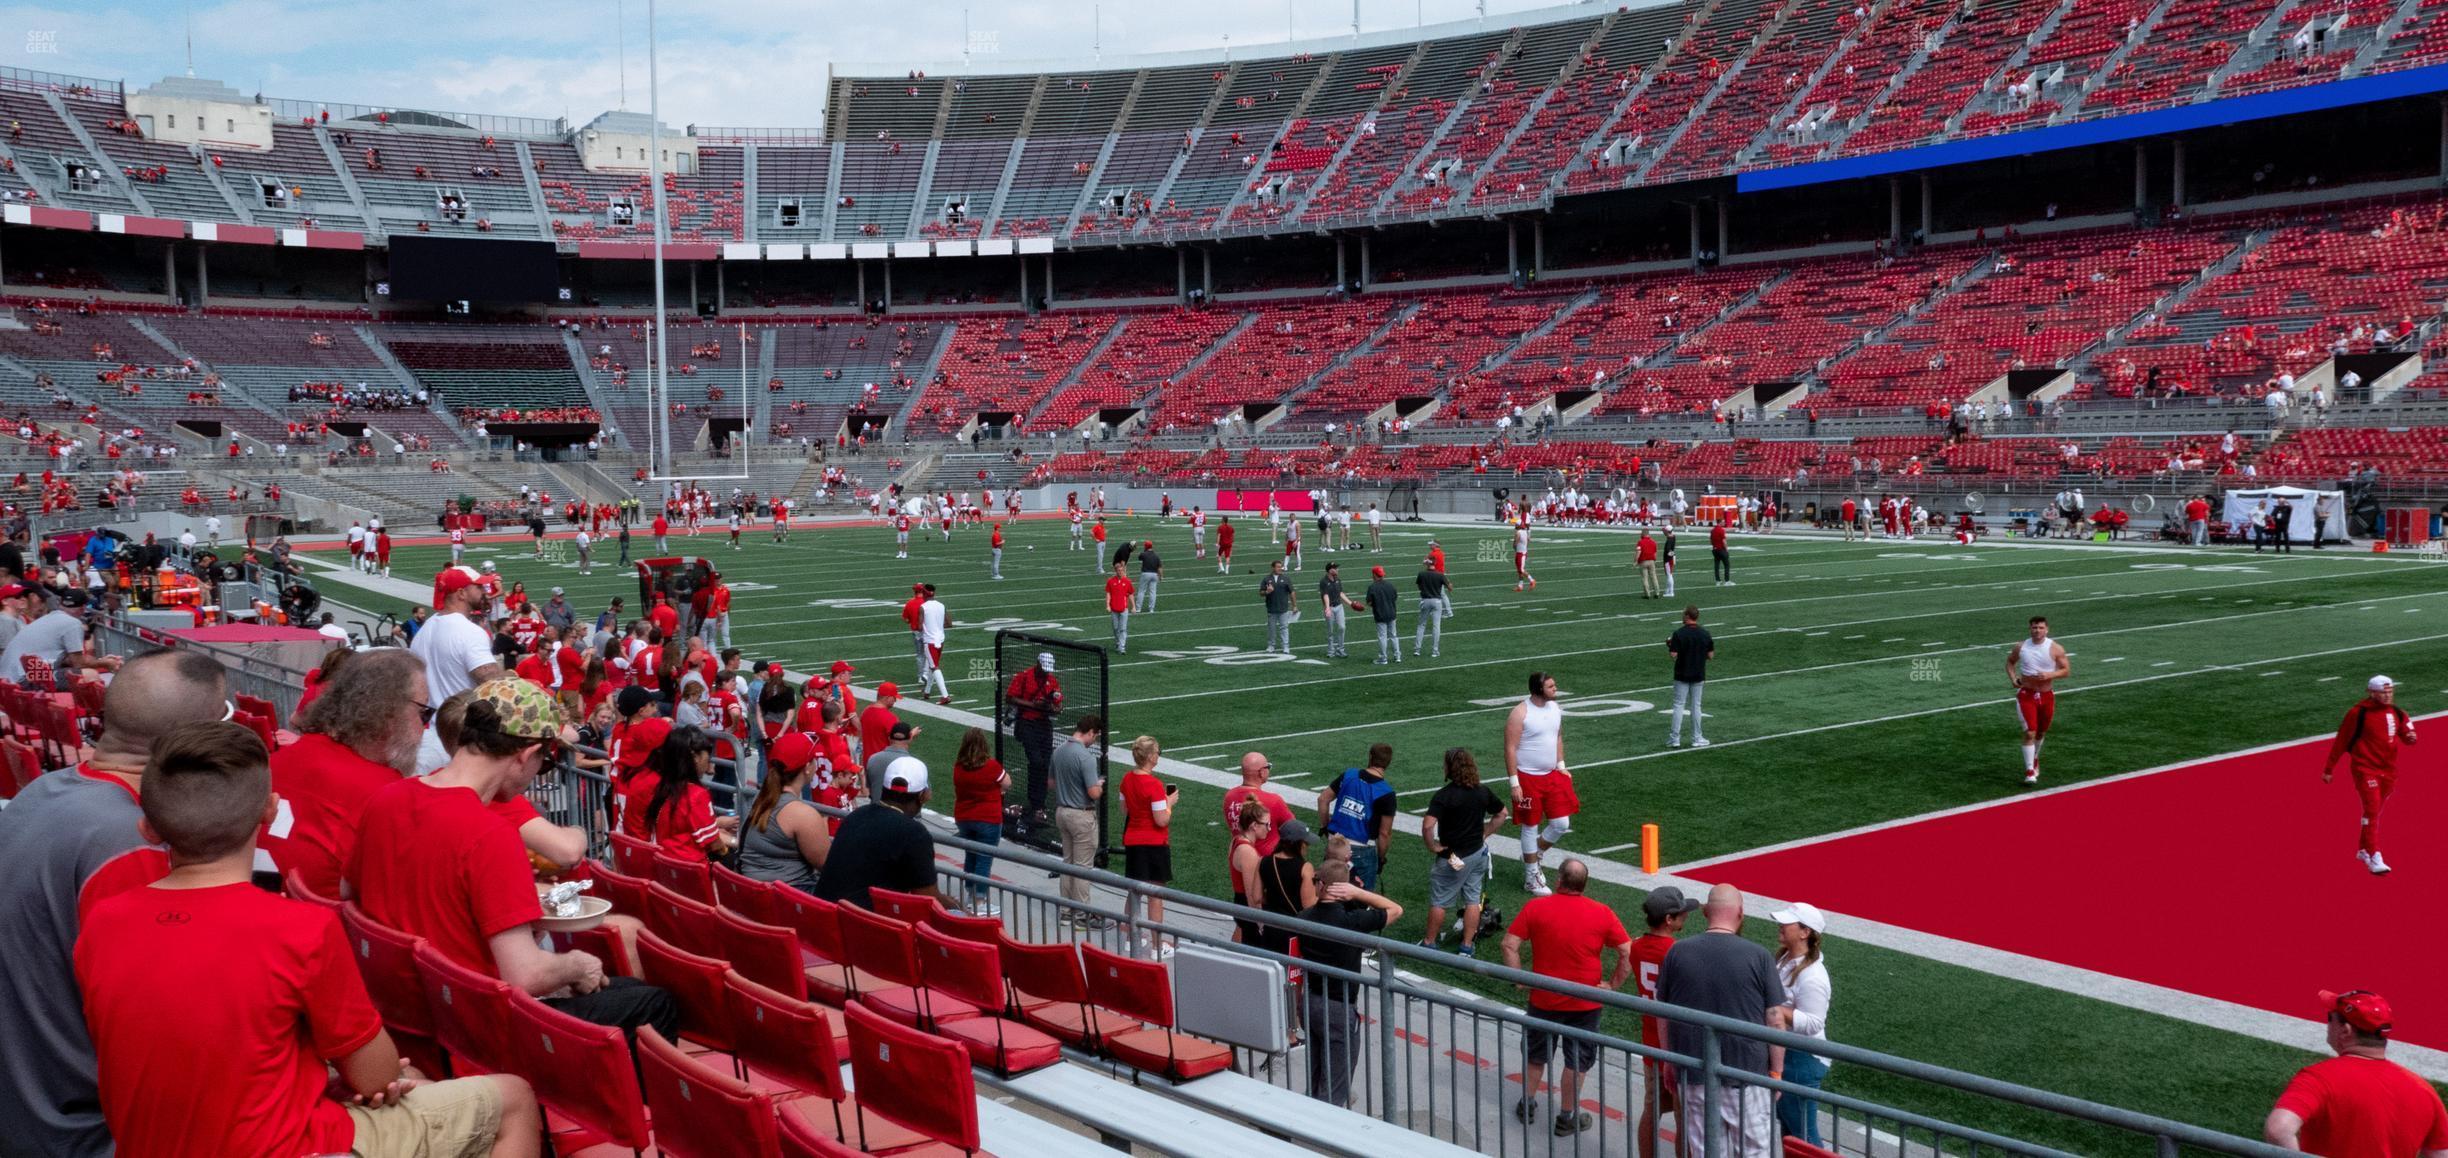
<point>1029,725</point>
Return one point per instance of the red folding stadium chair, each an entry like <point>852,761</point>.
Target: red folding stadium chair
<point>627,893</point>
<point>912,1079</point>
<point>986,930</point>
<point>801,1045</point>
<point>889,949</point>
<point>689,878</point>
<point>298,890</point>
<point>470,1011</point>
<point>817,923</point>
<point>699,1113</point>
<point>1143,990</point>
<point>685,923</point>
<point>800,1139</point>
<point>633,857</point>
<point>973,972</point>
<point>906,907</point>
<point>749,898</point>
<point>1049,991</point>
<point>696,982</point>
<point>581,1071</point>
<point>766,954</point>
<point>386,958</point>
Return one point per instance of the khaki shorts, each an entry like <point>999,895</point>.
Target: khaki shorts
<point>454,1119</point>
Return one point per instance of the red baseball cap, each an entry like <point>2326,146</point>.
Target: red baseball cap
<point>917,588</point>
<point>643,738</point>
<point>2361,1008</point>
<point>842,665</point>
<point>792,751</point>
<point>1376,572</point>
<point>883,690</point>
<point>451,580</point>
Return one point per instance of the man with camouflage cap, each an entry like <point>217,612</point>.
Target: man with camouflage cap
<point>435,861</point>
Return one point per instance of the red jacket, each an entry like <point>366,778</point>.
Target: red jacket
<point>1648,550</point>
<point>2369,738</point>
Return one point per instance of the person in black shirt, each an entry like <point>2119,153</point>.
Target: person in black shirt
<point>1332,1025</point>
<point>1691,648</point>
<point>1381,598</point>
<point>883,845</point>
<point>1435,605</point>
<point>1460,817</point>
<point>1331,597</point>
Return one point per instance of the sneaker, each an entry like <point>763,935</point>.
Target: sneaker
<point>1574,1123</point>
<point>1525,1111</point>
<point>1700,742</point>
<point>1674,741</point>
<point>2031,775</point>
<point>2363,858</point>
<point>2377,865</point>
<point>984,908</point>
<point>1517,587</point>
<point>1534,882</point>
<point>1467,950</point>
<point>1090,922</point>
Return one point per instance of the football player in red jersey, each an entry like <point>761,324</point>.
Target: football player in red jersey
<point>2369,739</point>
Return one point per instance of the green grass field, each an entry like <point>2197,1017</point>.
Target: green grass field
<point>1854,683</point>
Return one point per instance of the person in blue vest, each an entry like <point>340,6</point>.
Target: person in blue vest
<point>1359,806</point>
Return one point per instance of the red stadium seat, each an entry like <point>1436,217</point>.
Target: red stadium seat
<point>912,1079</point>
<point>581,1071</point>
<point>685,923</point>
<point>470,1012</point>
<point>817,923</point>
<point>298,890</point>
<point>972,971</point>
<point>766,954</point>
<point>627,893</point>
<point>689,878</point>
<point>697,984</point>
<point>802,1046</point>
<point>386,958</point>
<point>1049,991</point>
<point>1143,990</point>
<point>633,857</point>
<point>699,1113</point>
<point>749,898</point>
<point>888,949</point>
<point>909,908</point>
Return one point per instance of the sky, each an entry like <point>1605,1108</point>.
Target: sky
<point>722,62</point>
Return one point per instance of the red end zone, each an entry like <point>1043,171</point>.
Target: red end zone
<point>2234,878</point>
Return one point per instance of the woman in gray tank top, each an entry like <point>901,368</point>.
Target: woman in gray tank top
<point>783,838</point>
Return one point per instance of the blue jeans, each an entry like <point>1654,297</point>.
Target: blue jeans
<point>1798,1117</point>
<point>978,864</point>
<point>1364,865</point>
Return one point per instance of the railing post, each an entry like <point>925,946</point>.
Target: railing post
<point>1712,1115</point>
<point>1385,1037</point>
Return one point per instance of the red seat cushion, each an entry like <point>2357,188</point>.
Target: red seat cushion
<point>1022,1047</point>
<point>1181,1059</point>
<point>902,1004</point>
<point>881,1135</point>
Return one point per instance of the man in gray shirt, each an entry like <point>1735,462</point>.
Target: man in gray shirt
<point>53,836</point>
<point>1330,593</point>
<point>13,599</point>
<point>1381,599</point>
<point>883,757</point>
<point>1151,569</point>
<point>57,639</point>
<point>557,612</point>
<point>1723,973</point>
<point>1079,783</point>
<point>1435,604</point>
<point>1276,590</point>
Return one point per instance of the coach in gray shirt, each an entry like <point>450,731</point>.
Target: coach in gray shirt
<point>1079,784</point>
<point>52,837</point>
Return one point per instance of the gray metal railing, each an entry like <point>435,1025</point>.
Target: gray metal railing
<point>1433,1056</point>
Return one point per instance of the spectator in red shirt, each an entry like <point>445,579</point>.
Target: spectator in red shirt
<point>978,781</point>
<point>359,737</point>
<point>2369,740</point>
<point>679,813</point>
<point>2358,1102</point>
<point>268,993</point>
<point>1255,768</point>
<point>666,619</point>
<point>1647,556</point>
<point>2197,520</point>
<point>446,867</point>
<point>1147,827</point>
<point>1118,593</point>
<point>876,723</point>
<point>1567,932</point>
<point>1665,909</point>
<point>662,532</point>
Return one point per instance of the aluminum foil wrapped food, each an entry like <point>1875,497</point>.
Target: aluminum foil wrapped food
<point>561,900</point>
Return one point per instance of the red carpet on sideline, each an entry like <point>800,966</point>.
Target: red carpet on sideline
<point>2234,879</point>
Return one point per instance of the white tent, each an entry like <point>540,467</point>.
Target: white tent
<point>2325,508</point>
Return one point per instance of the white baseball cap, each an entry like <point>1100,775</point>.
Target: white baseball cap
<point>1045,659</point>
<point>1806,915</point>
<point>905,774</point>
<point>2378,682</point>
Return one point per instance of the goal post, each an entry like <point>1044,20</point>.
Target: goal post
<point>1028,728</point>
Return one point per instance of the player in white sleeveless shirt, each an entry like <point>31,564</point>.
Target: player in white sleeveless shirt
<point>2034,666</point>
<point>1543,798</point>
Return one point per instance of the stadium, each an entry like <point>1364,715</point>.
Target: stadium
<point>1888,343</point>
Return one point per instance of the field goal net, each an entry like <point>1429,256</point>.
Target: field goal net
<point>1030,724</point>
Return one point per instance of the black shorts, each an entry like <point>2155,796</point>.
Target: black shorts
<point>1152,863</point>
<point>1579,1055</point>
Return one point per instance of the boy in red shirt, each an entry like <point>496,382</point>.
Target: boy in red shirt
<point>2369,739</point>
<point>1147,826</point>
<point>1665,909</point>
<point>230,1059</point>
<point>1118,604</point>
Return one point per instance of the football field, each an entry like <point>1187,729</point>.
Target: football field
<point>1855,685</point>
